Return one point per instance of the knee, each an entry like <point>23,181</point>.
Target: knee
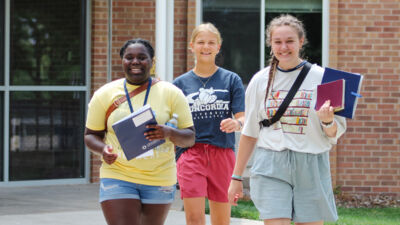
<point>195,219</point>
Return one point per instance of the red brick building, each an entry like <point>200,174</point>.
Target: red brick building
<point>350,35</point>
<point>364,37</point>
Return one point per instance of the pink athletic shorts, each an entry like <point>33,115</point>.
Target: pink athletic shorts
<point>205,170</point>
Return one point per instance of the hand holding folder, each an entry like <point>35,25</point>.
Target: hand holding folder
<point>130,132</point>
<point>351,89</point>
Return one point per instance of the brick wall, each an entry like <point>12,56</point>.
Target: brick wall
<point>180,36</point>
<point>98,62</point>
<point>364,38</point>
<point>191,24</point>
<point>130,19</point>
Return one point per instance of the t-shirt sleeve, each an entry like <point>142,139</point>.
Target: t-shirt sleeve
<point>180,106</point>
<point>251,126</point>
<point>95,119</point>
<point>237,95</point>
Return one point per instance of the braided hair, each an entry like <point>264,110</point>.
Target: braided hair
<point>282,20</point>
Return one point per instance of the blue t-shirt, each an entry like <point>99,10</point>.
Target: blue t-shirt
<point>212,100</point>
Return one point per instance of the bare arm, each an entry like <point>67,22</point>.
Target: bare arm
<point>246,148</point>
<point>180,137</point>
<point>94,141</point>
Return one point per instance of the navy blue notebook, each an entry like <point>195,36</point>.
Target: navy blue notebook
<point>352,89</point>
<point>130,132</point>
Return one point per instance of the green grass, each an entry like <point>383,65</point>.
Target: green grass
<point>245,209</point>
<point>365,216</point>
<point>352,216</point>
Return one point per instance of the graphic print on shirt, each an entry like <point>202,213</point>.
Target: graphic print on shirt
<point>294,120</point>
<point>205,104</point>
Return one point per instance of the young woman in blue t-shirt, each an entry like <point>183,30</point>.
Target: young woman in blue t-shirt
<point>216,100</point>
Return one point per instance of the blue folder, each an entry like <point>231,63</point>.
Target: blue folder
<point>130,132</point>
<point>352,89</point>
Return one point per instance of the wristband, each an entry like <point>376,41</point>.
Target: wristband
<point>236,177</point>
<point>327,125</point>
<point>240,124</point>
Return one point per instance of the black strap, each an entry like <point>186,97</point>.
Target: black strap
<point>293,90</point>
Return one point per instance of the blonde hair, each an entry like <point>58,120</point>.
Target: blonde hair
<point>282,20</point>
<point>206,27</point>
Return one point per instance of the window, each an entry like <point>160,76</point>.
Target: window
<point>45,90</point>
<point>310,13</point>
<point>2,15</point>
<point>239,24</point>
<point>46,43</point>
<point>240,27</point>
<point>46,139</point>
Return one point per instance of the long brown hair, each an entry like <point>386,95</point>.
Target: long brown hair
<point>283,20</point>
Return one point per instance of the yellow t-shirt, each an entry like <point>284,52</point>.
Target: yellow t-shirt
<point>164,99</point>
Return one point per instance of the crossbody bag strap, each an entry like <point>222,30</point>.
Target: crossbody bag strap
<point>293,90</point>
<point>121,100</point>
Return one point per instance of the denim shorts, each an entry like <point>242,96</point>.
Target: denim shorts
<point>117,189</point>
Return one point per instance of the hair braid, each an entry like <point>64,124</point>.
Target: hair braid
<point>271,76</point>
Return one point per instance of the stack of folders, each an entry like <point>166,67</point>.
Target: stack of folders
<point>342,88</point>
<point>130,132</point>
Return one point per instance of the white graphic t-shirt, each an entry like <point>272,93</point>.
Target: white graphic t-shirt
<point>299,128</point>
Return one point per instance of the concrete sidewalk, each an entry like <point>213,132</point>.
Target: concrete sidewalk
<point>69,205</point>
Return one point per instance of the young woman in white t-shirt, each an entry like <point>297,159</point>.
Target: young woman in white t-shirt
<point>290,177</point>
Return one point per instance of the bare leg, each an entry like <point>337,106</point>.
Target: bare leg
<point>122,211</point>
<point>154,214</point>
<point>277,221</point>
<point>195,211</point>
<point>312,223</point>
<point>220,213</point>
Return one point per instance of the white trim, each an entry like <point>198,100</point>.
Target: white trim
<point>325,33</point>
<point>161,32</point>
<point>170,41</point>
<point>199,12</point>
<point>45,88</point>
<point>164,46</point>
<point>262,35</point>
<point>6,161</point>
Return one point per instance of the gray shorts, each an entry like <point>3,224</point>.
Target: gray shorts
<point>293,185</point>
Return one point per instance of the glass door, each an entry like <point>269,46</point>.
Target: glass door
<point>44,90</point>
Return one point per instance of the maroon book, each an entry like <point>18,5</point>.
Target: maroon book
<point>333,91</point>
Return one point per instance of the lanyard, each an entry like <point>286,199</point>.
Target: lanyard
<point>129,99</point>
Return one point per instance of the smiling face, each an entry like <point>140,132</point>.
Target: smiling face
<point>286,45</point>
<point>205,47</point>
<point>136,62</point>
